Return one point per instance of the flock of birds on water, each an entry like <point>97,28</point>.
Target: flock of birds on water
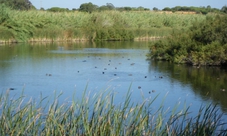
<point>103,72</point>
<point>139,87</point>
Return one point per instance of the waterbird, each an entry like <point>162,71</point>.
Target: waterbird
<point>139,87</point>
<point>132,63</point>
<point>145,77</point>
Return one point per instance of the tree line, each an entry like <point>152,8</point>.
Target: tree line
<point>90,7</point>
<point>203,10</point>
<point>85,7</point>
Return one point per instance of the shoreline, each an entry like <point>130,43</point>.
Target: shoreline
<point>45,40</point>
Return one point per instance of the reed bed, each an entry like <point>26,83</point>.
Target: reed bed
<point>68,26</point>
<point>99,115</point>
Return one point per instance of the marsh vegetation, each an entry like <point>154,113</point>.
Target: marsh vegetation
<point>98,115</point>
<point>34,25</point>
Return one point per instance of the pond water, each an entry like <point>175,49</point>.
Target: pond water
<point>72,68</point>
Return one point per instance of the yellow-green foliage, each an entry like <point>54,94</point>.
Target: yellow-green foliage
<point>106,25</point>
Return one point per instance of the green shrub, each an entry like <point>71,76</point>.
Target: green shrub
<point>203,44</point>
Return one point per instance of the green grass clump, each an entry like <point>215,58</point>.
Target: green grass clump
<point>99,115</point>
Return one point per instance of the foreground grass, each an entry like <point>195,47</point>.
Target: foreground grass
<point>98,115</point>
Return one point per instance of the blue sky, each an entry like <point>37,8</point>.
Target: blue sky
<point>160,4</point>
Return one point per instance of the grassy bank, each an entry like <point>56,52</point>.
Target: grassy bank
<point>98,115</point>
<point>34,25</point>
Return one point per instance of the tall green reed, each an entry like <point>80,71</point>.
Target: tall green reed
<point>35,25</point>
<point>98,114</point>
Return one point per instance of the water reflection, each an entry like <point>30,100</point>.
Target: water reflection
<point>209,83</point>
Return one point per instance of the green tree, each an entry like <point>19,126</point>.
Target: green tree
<point>18,4</point>
<point>224,9</point>
<point>155,9</point>
<point>102,8</point>
<point>88,7</point>
<point>167,9</point>
<point>110,6</point>
<point>209,8</point>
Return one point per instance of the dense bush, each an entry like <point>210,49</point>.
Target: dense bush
<point>18,4</point>
<point>205,43</point>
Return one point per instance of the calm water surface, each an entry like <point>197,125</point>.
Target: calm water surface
<point>117,66</point>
